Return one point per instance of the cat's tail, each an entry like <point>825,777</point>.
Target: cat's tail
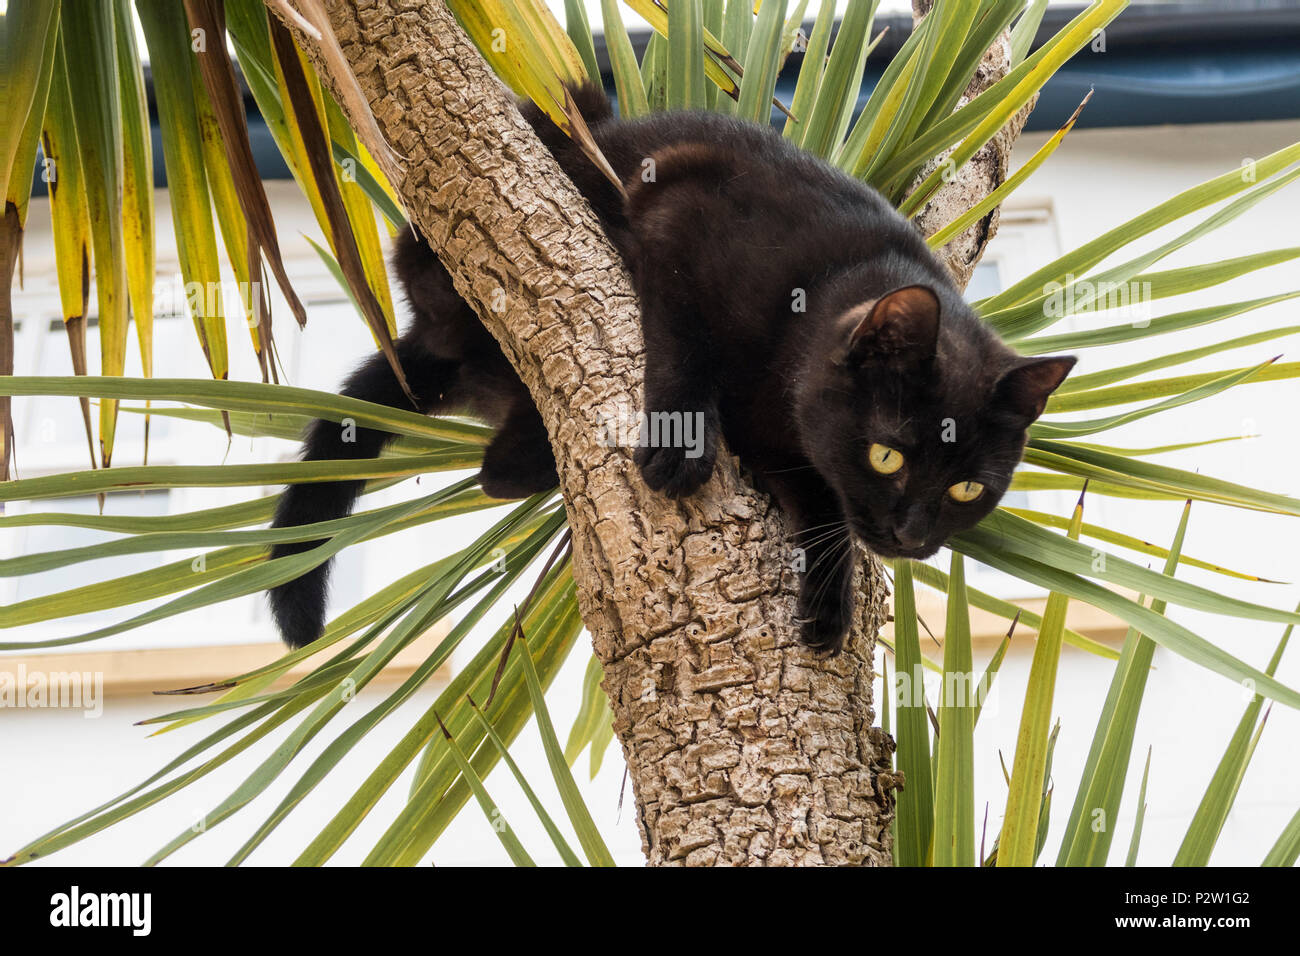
<point>593,105</point>
<point>299,605</point>
<point>592,102</point>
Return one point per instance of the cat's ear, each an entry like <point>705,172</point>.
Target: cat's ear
<point>1024,390</point>
<point>903,323</point>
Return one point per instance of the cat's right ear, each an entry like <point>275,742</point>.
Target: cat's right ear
<point>1024,389</point>
<point>903,323</point>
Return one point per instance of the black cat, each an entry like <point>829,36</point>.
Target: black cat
<point>786,307</point>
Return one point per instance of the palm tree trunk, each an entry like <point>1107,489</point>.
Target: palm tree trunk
<point>984,172</point>
<point>742,747</point>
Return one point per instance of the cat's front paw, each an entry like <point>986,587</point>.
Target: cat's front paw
<point>671,472</point>
<point>823,628</point>
<point>676,461</point>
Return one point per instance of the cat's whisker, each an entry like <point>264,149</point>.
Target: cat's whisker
<point>838,522</point>
<point>822,589</point>
<point>836,547</point>
<point>826,583</point>
<point>806,537</point>
<point>824,536</point>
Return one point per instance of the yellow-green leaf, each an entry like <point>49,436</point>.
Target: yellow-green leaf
<point>167,38</point>
<point>91,51</point>
<point>137,183</point>
<point>1018,845</point>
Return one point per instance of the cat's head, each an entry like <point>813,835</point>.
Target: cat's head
<point>916,414</point>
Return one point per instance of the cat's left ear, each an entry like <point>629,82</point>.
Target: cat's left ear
<point>903,323</point>
<point>1024,389</point>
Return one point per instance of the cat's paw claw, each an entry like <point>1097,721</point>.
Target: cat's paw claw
<point>670,472</point>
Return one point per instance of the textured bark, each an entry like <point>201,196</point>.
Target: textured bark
<point>985,172</point>
<point>742,747</point>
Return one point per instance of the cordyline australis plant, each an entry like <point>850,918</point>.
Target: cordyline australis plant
<point>337,82</point>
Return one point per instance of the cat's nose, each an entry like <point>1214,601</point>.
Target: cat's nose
<point>910,528</point>
<point>909,538</point>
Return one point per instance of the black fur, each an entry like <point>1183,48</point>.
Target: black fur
<point>788,306</point>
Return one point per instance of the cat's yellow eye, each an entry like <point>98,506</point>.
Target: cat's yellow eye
<point>966,491</point>
<point>884,459</point>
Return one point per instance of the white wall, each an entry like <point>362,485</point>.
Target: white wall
<point>55,765</point>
